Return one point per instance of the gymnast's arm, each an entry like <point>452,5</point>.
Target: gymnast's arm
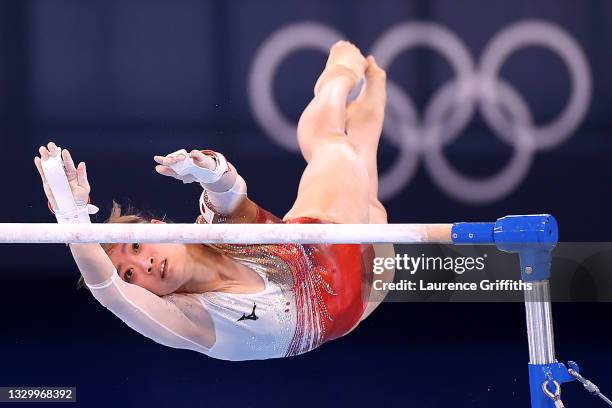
<point>160,319</point>
<point>224,196</point>
<point>157,318</point>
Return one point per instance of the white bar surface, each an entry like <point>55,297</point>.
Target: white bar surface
<point>221,233</point>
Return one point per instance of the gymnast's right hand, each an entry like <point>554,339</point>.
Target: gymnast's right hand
<point>206,167</point>
<point>166,164</point>
<point>77,176</point>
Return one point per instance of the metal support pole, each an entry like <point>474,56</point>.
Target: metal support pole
<point>539,324</point>
<point>543,366</point>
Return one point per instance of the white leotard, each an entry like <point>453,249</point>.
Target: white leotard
<point>238,337</point>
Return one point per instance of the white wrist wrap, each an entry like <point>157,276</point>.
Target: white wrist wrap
<point>190,172</point>
<point>224,203</point>
<point>68,210</point>
<point>105,284</point>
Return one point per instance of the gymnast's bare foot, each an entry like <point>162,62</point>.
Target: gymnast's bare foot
<point>364,116</point>
<point>344,61</point>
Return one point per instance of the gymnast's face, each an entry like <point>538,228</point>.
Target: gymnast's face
<point>159,268</point>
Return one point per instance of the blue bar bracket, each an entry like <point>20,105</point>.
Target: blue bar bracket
<point>533,237</point>
<point>473,233</point>
<point>539,373</point>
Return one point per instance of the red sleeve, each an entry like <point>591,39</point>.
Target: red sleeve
<point>266,217</point>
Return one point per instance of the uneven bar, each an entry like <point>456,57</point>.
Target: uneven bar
<point>225,233</point>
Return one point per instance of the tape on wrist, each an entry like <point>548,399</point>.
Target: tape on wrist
<point>190,172</point>
<point>78,216</point>
<point>213,204</point>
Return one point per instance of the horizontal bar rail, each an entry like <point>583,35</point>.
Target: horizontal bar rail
<point>225,233</point>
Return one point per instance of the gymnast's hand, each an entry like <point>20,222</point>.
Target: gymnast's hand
<point>209,168</point>
<point>199,159</point>
<point>77,176</point>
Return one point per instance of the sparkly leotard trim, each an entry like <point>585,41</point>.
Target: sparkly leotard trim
<point>293,269</point>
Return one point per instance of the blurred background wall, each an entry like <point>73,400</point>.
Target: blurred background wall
<point>494,108</point>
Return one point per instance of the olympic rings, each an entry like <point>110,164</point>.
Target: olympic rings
<point>475,87</point>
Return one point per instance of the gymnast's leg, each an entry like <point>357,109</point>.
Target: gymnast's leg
<point>327,111</point>
<point>335,184</point>
<point>364,125</point>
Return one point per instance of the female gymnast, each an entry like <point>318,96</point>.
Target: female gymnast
<point>246,302</point>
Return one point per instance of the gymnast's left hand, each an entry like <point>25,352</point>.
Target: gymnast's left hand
<point>76,175</point>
